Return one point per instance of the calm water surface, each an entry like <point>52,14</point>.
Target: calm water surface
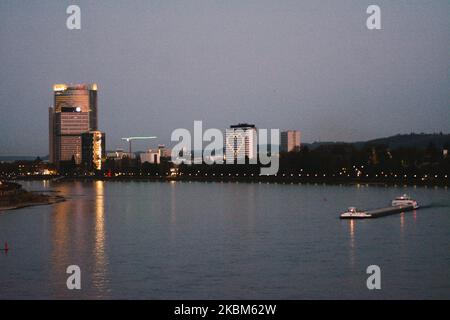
<point>181,240</point>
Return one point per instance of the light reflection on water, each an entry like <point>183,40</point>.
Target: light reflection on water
<point>224,241</point>
<point>78,226</point>
<point>351,224</point>
<point>99,249</point>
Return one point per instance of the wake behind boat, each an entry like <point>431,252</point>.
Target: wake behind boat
<point>400,204</point>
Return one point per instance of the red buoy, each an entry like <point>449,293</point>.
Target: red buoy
<point>6,246</point>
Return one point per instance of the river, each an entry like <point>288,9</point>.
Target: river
<point>200,240</point>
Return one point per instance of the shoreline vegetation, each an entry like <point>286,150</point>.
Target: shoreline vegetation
<point>13,196</point>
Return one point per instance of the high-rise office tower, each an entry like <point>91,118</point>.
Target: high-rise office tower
<point>290,141</point>
<point>241,142</point>
<point>74,112</point>
<point>93,149</point>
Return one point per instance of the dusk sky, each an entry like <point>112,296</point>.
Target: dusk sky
<point>159,65</point>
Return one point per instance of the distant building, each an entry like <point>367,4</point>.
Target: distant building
<point>290,141</point>
<point>241,141</point>
<point>164,152</point>
<point>151,157</point>
<point>93,149</point>
<point>74,112</point>
<point>118,154</point>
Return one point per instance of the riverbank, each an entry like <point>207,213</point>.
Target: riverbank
<point>50,200</point>
<point>15,197</point>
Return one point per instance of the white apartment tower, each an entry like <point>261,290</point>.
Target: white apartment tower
<point>241,142</point>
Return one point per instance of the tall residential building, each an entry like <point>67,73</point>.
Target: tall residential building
<point>74,112</point>
<point>290,141</point>
<point>93,149</point>
<point>241,142</point>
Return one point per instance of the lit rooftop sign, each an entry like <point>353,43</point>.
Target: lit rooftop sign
<point>81,86</point>
<point>59,87</point>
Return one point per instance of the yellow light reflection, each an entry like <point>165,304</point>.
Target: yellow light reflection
<point>99,248</point>
<point>352,232</point>
<point>352,241</point>
<point>173,207</point>
<point>402,222</point>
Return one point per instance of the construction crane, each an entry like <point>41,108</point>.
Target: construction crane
<point>129,139</point>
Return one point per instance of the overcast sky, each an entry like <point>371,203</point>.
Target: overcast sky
<point>160,65</point>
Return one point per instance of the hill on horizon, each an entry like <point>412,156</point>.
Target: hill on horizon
<point>418,140</point>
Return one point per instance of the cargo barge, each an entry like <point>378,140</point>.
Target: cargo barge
<point>398,205</point>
